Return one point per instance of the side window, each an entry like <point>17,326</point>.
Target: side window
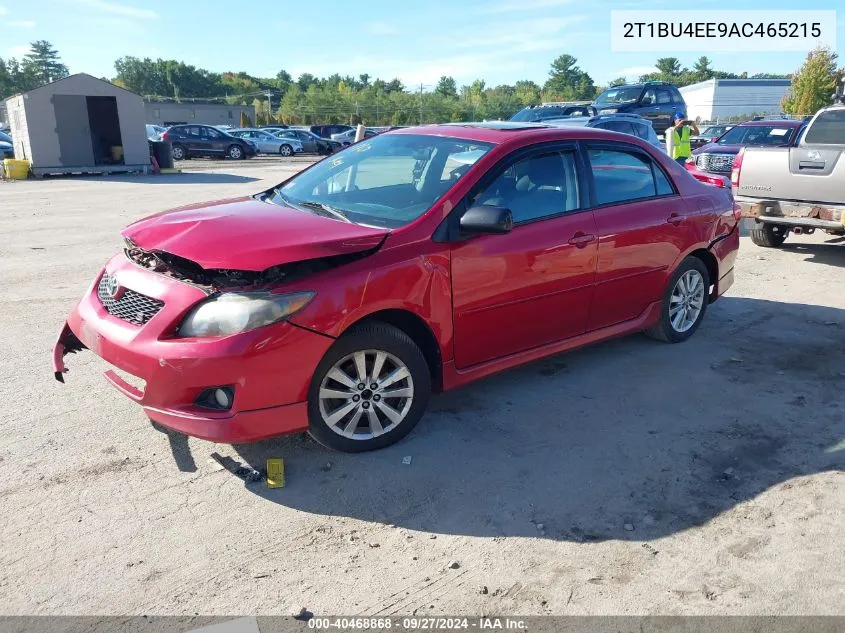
<point>193,132</point>
<point>663,96</point>
<point>640,130</point>
<point>621,176</point>
<point>677,97</point>
<point>649,97</point>
<point>540,186</point>
<point>664,187</point>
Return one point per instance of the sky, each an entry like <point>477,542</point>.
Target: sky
<point>500,41</point>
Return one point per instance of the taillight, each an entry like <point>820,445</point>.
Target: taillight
<point>716,181</point>
<point>737,168</point>
<point>163,136</point>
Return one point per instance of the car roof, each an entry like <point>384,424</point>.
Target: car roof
<point>506,132</point>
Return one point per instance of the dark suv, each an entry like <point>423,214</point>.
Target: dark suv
<point>205,140</point>
<point>326,131</point>
<point>656,101</point>
<point>546,111</point>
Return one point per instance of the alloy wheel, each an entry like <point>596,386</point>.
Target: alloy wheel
<point>366,394</point>
<point>686,301</point>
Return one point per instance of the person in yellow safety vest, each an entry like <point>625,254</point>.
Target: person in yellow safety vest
<point>678,138</point>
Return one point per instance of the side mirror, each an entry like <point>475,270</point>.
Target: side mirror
<point>483,219</point>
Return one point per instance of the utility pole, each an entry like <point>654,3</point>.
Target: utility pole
<point>378,118</point>
<point>269,107</point>
<point>421,104</point>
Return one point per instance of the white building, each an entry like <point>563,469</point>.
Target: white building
<point>718,99</point>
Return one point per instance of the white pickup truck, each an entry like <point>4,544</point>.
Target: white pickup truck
<point>795,189</point>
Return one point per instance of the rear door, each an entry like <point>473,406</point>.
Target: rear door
<point>643,225</point>
<point>193,138</point>
<point>534,285</point>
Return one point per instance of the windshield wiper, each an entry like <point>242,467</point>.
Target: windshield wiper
<point>331,211</point>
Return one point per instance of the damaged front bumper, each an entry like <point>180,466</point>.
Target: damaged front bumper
<point>824,216</point>
<point>268,369</point>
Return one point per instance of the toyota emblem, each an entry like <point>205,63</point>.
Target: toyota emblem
<point>113,287</point>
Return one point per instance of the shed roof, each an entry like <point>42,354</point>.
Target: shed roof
<point>75,76</point>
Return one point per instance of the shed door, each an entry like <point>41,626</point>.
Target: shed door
<point>75,147</point>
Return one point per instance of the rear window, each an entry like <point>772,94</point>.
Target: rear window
<point>827,129</point>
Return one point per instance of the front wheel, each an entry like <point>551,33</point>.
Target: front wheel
<point>769,235</point>
<point>286,150</point>
<point>235,152</point>
<point>684,303</point>
<point>369,391</point>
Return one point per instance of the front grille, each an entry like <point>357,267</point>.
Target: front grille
<point>128,305</point>
<point>719,163</point>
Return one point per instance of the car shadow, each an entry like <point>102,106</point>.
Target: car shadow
<point>629,439</point>
<point>184,178</point>
<point>831,253</point>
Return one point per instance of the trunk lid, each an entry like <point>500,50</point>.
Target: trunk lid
<point>247,234</point>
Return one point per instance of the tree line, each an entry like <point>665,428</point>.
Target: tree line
<point>308,99</point>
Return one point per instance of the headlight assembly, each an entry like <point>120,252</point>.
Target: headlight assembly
<point>233,312</point>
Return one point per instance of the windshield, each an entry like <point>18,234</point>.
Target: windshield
<point>713,131</point>
<point>827,129</point>
<point>757,135</point>
<point>386,181</point>
<point>615,96</point>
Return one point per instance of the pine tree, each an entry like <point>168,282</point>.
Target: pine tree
<point>42,64</point>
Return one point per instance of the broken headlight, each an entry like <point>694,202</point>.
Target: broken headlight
<point>233,312</point>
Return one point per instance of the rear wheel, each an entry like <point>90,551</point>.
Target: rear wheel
<point>178,152</point>
<point>684,303</point>
<point>769,235</point>
<point>286,150</point>
<point>235,152</point>
<point>369,391</point>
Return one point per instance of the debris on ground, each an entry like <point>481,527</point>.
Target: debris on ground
<point>629,527</point>
<point>327,467</point>
<point>301,613</point>
<point>247,473</point>
<point>454,565</point>
<point>483,590</point>
<point>406,460</point>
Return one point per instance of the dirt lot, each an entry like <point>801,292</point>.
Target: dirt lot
<point>632,477</point>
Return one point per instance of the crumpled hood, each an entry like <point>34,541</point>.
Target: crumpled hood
<point>246,234</point>
<point>715,148</point>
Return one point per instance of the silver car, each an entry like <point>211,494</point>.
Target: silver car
<point>267,143</point>
<point>632,124</point>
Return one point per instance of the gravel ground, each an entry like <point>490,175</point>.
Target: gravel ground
<point>630,478</point>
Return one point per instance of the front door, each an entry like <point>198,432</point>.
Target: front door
<point>643,224</point>
<point>73,130</point>
<point>534,285</point>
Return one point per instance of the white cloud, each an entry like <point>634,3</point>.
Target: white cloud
<point>3,10</point>
<point>119,9</point>
<point>524,5</point>
<point>380,28</point>
<point>521,36</point>
<point>18,51</point>
<point>21,24</point>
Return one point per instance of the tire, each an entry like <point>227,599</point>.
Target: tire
<point>677,330</point>
<point>179,153</point>
<point>769,235</point>
<point>236,152</point>
<point>285,150</point>
<point>353,417</point>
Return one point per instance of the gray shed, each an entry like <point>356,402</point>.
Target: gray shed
<point>79,124</point>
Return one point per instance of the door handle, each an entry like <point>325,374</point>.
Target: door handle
<point>675,219</point>
<point>581,239</point>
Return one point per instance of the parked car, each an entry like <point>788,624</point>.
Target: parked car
<point>338,300</point>
<point>796,189</point>
<point>268,143</point>
<point>205,140</point>
<point>326,131</point>
<point>711,163</point>
<point>656,101</point>
<point>545,111</point>
<point>632,124</point>
<point>154,132</point>
<point>7,148</point>
<point>710,134</point>
<point>348,137</point>
<point>311,143</point>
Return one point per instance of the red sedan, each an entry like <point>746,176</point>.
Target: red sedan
<point>416,261</point>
